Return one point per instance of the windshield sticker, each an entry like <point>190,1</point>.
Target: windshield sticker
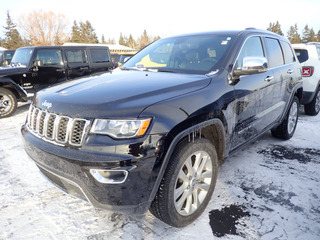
<point>224,42</point>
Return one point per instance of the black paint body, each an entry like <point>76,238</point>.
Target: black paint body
<point>180,105</point>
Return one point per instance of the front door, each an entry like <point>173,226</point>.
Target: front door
<point>254,96</point>
<point>49,68</point>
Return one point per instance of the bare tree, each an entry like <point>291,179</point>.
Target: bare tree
<point>44,28</point>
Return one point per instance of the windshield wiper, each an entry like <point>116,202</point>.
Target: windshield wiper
<point>166,70</point>
<point>148,69</point>
<point>139,69</point>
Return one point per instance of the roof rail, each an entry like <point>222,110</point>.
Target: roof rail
<point>313,43</point>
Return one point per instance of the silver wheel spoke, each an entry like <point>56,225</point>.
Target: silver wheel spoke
<point>188,207</point>
<point>206,174</point>
<point>182,200</point>
<point>204,186</point>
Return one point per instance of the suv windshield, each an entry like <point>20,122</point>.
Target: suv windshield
<point>22,57</point>
<point>192,54</point>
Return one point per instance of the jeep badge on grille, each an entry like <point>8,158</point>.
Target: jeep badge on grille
<point>46,104</point>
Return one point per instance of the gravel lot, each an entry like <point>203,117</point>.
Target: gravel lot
<point>270,190</point>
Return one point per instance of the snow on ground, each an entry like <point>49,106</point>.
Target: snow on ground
<point>270,190</point>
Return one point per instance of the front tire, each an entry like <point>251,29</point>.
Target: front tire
<point>288,126</point>
<point>8,103</point>
<point>188,183</point>
<point>313,107</point>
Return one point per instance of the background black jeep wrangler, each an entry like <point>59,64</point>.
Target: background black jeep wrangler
<point>35,68</point>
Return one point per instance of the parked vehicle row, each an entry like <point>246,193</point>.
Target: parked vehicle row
<point>35,68</point>
<point>152,134</point>
<point>309,57</point>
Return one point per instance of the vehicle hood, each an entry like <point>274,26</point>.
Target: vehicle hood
<point>121,93</point>
<point>5,71</point>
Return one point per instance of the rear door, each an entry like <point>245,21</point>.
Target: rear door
<point>282,62</point>
<point>77,62</point>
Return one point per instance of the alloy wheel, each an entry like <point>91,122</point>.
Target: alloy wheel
<point>193,183</point>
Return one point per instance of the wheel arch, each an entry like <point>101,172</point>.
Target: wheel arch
<point>16,89</point>
<point>213,130</point>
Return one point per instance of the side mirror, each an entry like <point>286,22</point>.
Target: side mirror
<point>38,63</point>
<point>252,65</point>
<point>5,63</point>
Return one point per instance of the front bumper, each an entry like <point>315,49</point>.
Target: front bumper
<point>72,171</point>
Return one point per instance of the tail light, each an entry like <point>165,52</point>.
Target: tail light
<point>307,71</point>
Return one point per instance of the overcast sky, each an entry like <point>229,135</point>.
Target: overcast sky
<point>170,17</point>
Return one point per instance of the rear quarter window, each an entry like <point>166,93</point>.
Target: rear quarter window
<point>99,55</point>
<point>302,55</point>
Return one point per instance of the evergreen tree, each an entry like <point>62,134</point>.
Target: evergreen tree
<point>75,34</point>
<point>293,35</point>
<point>87,33</point>
<point>131,42</point>
<point>103,41</point>
<point>308,35</point>
<point>121,40</point>
<point>275,27</point>
<point>13,39</point>
<point>318,36</point>
<point>144,40</point>
<point>111,41</point>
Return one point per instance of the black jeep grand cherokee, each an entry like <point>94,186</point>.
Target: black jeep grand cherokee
<point>152,134</point>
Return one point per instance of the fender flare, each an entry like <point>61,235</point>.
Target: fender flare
<point>19,92</point>
<point>174,143</point>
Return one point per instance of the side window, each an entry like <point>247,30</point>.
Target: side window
<point>288,54</point>
<point>275,57</point>
<point>99,55</point>
<point>318,51</point>
<point>76,56</point>
<point>302,55</point>
<point>8,57</point>
<point>49,57</point>
<point>251,48</point>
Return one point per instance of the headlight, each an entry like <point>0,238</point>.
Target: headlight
<point>117,128</point>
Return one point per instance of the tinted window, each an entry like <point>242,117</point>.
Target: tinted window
<point>76,56</point>
<point>275,57</point>
<point>302,55</point>
<point>50,57</point>
<point>99,55</point>
<point>251,48</point>
<point>288,54</point>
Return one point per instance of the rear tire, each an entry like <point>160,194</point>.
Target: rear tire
<point>188,183</point>
<point>288,126</point>
<point>313,107</point>
<point>8,103</point>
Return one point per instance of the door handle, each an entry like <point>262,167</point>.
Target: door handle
<point>60,70</point>
<point>269,78</point>
<point>290,71</point>
<point>84,68</point>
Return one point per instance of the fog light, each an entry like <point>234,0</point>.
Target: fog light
<point>109,176</point>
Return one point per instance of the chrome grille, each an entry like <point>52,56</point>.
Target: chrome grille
<point>55,128</point>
